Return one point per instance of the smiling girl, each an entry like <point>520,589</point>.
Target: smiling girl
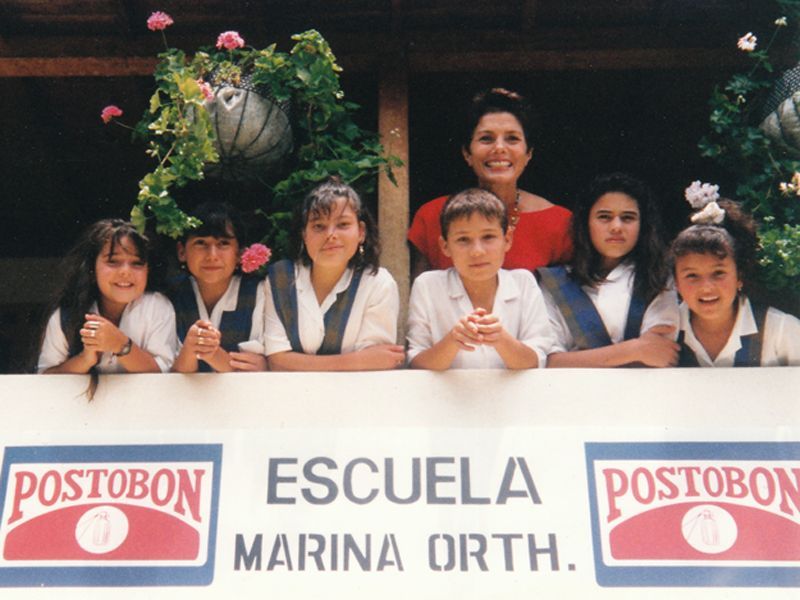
<point>333,308</point>
<point>713,260</point>
<point>219,312</point>
<point>103,319</point>
<point>610,308</point>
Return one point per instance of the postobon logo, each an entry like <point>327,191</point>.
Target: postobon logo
<point>695,514</point>
<point>109,515</point>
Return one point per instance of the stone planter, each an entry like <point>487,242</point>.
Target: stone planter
<point>253,132</point>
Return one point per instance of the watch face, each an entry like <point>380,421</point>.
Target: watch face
<point>126,349</point>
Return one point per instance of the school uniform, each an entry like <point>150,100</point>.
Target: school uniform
<point>368,317</point>
<point>778,337</point>
<point>238,314</point>
<point>149,321</point>
<point>612,300</point>
<point>439,300</point>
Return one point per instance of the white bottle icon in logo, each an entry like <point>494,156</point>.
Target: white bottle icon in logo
<point>101,529</point>
<point>709,529</point>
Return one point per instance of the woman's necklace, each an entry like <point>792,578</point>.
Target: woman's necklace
<point>513,214</point>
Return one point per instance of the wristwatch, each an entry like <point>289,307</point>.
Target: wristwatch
<point>126,349</point>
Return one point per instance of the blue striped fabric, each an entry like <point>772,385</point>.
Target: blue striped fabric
<point>584,323</point>
<point>284,296</point>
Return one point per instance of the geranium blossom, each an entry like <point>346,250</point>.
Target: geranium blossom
<point>159,21</point>
<point>230,40</point>
<point>205,88</point>
<point>109,112</point>
<point>747,42</point>
<point>255,257</point>
<point>699,194</point>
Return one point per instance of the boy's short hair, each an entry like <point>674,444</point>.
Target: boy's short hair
<point>469,202</point>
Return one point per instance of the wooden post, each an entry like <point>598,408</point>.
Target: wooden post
<point>393,200</point>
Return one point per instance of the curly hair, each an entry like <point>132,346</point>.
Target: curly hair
<point>735,237</point>
<point>648,252</point>
<point>320,202</point>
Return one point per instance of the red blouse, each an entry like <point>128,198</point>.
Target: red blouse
<point>541,238</point>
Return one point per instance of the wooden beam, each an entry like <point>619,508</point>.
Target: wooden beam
<point>574,60</point>
<point>82,66</point>
<point>418,62</point>
<point>528,17</point>
<point>393,200</point>
<point>396,19</point>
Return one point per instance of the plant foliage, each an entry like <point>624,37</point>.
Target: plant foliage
<point>761,168</point>
<point>180,135</point>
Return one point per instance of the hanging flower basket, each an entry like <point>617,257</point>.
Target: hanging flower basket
<point>252,129</point>
<point>781,113</point>
<point>241,113</point>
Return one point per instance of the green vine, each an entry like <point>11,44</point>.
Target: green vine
<point>762,169</point>
<point>180,135</point>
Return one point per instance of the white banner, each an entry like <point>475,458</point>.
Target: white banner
<point>482,484</point>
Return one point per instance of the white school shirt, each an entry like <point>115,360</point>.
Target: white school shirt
<point>227,304</point>
<point>438,300</point>
<point>612,299</point>
<point>149,321</point>
<point>372,321</point>
<point>780,345</point>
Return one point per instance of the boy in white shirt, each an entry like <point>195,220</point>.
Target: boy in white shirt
<point>475,314</point>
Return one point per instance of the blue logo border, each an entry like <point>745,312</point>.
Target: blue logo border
<point>109,576</point>
<point>675,576</point>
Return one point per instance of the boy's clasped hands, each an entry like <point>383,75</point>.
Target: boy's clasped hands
<point>477,328</point>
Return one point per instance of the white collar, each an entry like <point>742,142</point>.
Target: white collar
<point>302,274</point>
<point>507,288</point>
<point>745,324</point>
<point>623,269</point>
<point>95,308</point>
<point>226,303</point>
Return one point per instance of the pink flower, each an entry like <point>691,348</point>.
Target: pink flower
<point>159,21</point>
<point>208,92</point>
<point>255,257</point>
<point>109,112</point>
<point>230,40</point>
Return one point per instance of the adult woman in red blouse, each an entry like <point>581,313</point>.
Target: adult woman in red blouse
<point>498,149</point>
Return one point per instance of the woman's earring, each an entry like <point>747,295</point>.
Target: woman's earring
<point>361,251</point>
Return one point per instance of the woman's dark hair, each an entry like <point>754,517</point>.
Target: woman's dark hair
<point>470,202</point>
<point>647,254</point>
<point>735,237</point>
<point>217,219</point>
<point>78,289</point>
<point>497,100</point>
<point>320,202</point>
